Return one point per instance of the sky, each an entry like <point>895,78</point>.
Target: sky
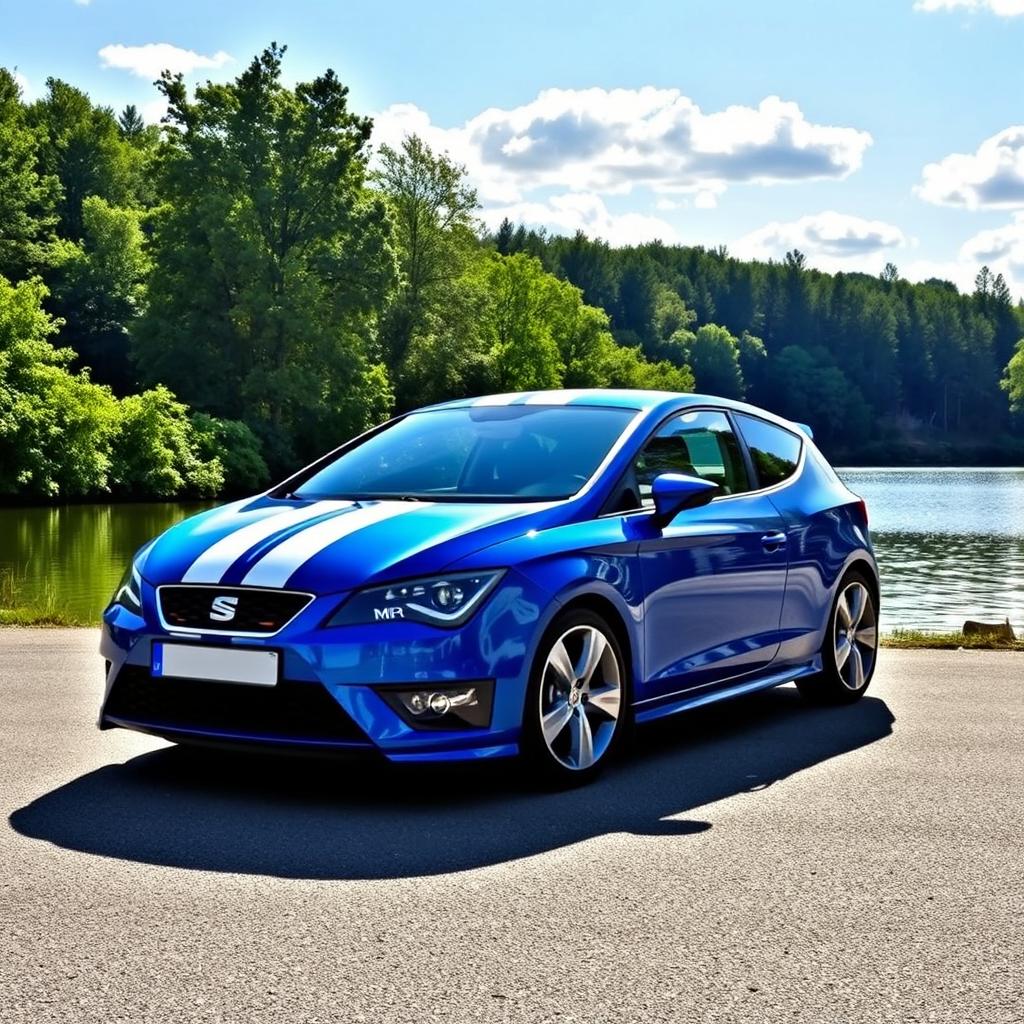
<point>860,133</point>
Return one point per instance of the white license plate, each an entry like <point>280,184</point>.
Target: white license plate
<point>218,664</point>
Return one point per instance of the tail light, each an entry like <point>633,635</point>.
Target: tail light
<point>862,507</point>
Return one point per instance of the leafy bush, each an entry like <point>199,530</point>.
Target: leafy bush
<point>155,452</point>
<point>63,436</point>
<point>55,426</point>
<point>237,449</point>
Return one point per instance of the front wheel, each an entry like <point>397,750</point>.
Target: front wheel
<point>850,647</point>
<point>577,702</point>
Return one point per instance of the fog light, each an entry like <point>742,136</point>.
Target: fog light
<point>444,706</point>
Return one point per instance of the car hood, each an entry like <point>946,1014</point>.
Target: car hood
<point>329,546</point>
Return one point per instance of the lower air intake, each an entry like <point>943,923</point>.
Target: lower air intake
<point>289,711</point>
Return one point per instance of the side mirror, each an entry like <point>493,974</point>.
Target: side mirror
<point>674,493</point>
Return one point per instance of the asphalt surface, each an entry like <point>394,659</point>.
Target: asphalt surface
<point>760,861</point>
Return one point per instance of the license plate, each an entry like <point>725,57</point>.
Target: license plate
<point>217,664</point>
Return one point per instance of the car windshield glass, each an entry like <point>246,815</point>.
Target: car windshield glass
<point>485,453</point>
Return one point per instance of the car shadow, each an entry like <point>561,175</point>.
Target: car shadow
<point>333,820</point>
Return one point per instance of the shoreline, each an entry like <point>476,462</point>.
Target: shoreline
<point>897,639</point>
<point>29,501</point>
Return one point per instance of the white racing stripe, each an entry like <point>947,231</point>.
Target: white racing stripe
<point>497,399</point>
<point>211,565</point>
<point>274,568</point>
<point>553,397</point>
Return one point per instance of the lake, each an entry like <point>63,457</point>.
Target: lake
<point>950,543</point>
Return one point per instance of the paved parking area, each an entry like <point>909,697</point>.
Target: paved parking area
<point>760,861</point>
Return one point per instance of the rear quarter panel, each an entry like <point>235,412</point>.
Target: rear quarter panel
<point>825,537</point>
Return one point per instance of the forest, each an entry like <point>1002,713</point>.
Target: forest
<point>197,307</point>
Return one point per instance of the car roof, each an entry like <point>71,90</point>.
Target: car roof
<point>617,398</point>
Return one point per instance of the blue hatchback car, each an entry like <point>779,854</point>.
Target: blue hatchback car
<point>523,574</point>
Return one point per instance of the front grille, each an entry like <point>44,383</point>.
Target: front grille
<point>213,609</point>
<point>289,711</point>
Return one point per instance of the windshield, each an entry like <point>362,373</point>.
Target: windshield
<point>482,453</point>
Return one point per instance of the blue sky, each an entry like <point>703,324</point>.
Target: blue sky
<point>857,132</point>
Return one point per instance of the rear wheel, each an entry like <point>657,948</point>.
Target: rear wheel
<point>850,648</point>
<point>577,703</point>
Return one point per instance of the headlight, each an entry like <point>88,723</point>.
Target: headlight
<point>129,590</point>
<point>440,600</point>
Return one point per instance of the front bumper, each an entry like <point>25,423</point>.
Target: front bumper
<point>329,697</point>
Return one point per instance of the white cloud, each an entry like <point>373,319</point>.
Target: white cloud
<point>582,211</point>
<point>1000,249</point>
<point>831,241</point>
<point>152,59</point>
<point>153,110</point>
<point>610,141</point>
<point>1004,8</point>
<point>83,3</point>
<point>991,177</point>
<point>23,84</point>
<point>999,245</point>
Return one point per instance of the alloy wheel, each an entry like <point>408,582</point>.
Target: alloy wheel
<point>580,697</point>
<point>856,635</point>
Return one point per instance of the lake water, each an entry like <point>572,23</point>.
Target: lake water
<point>950,543</point>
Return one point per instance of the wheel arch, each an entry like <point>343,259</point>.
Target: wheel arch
<point>860,562</point>
<point>601,604</point>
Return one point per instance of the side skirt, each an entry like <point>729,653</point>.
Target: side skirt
<point>697,698</point>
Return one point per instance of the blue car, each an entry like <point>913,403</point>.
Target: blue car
<point>523,574</point>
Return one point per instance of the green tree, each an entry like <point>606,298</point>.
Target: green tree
<point>99,290</point>
<point>1013,379</point>
<point>155,450</point>
<point>635,309</point>
<point>271,260</point>
<point>80,145</point>
<point>236,448</point>
<point>588,264</point>
<point>130,122</point>
<point>527,312</point>
<point>27,198</point>
<point>452,355</point>
<point>432,208</point>
<point>714,357</point>
<point>544,335</point>
<point>503,237</point>
<point>811,389</point>
<point>753,364</point>
<point>55,426</point>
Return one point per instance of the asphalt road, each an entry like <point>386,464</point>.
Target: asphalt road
<point>761,861</point>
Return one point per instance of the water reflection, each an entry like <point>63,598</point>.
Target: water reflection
<point>77,552</point>
<point>950,543</point>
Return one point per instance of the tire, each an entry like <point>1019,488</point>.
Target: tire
<point>849,651</point>
<point>578,701</point>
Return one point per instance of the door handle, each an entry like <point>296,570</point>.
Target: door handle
<point>773,541</point>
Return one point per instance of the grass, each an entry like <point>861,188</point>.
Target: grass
<point>909,639</point>
<point>44,610</point>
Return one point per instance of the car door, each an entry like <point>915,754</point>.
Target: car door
<point>715,577</point>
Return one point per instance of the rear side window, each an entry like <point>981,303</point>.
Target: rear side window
<point>775,451</point>
<point>699,443</point>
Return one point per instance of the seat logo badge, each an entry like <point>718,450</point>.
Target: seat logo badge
<point>223,608</point>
